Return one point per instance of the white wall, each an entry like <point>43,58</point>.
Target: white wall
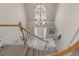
<point>9,35</point>
<point>11,14</point>
<point>67,22</point>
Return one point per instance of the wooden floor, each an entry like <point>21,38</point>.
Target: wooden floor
<point>21,51</point>
<point>12,51</point>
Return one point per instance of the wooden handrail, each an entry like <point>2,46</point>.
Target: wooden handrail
<point>67,50</point>
<point>25,29</point>
<point>33,34</point>
<point>9,25</point>
<point>21,28</point>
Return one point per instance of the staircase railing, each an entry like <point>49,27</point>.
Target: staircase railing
<point>68,50</point>
<point>25,29</point>
<point>27,34</point>
<point>11,42</point>
<point>61,53</point>
<point>22,29</point>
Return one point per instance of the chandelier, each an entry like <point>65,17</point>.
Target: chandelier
<point>40,15</point>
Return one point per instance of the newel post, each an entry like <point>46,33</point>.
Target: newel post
<point>21,29</point>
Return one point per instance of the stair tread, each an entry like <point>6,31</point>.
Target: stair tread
<point>44,53</point>
<point>35,52</point>
<point>26,50</point>
<point>40,53</point>
<point>30,52</point>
